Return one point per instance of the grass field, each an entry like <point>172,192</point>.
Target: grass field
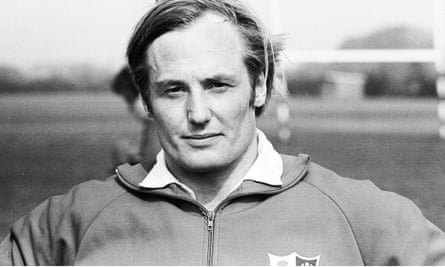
<point>51,142</point>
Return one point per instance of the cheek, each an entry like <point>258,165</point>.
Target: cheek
<point>236,112</point>
<point>167,117</point>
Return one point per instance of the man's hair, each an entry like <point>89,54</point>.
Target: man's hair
<point>261,53</point>
<point>122,84</point>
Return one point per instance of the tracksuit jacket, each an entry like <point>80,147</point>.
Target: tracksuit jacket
<point>314,218</point>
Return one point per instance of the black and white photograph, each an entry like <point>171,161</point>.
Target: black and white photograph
<point>222,132</point>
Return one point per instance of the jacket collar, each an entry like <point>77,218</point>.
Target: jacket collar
<point>294,170</point>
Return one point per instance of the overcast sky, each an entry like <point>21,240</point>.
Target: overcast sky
<point>34,32</point>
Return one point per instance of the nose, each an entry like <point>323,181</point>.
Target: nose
<point>198,111</point>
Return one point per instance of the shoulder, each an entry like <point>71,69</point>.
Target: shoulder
<point>338,189</point>
<point>356,198</point>
<point>51,232</point>
<point>389,228</point>
<point>83,200</point>
<point>343,190</point>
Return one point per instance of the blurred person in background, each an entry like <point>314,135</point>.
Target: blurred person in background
<point>218,192</point>
<point>148,144</point>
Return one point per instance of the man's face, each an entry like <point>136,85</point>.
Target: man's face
<point>199,96</point>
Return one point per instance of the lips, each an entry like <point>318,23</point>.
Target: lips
<point>201,136</point>
<point>202,140</point>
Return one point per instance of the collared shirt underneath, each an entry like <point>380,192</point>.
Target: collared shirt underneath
<point>267,168</point>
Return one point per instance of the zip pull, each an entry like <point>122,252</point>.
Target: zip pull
<point>210,220</point>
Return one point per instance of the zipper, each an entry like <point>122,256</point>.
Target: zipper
<point>211,233</point>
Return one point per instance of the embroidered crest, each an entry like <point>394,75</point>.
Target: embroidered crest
<point>293,259</point>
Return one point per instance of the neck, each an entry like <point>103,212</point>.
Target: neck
<point>212,187</point>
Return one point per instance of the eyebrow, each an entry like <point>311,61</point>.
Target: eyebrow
<point>165,83</point>
<point>217,77</point>
<point>222,77</point>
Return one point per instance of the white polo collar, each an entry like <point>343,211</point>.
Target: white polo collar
<point>267,168</point>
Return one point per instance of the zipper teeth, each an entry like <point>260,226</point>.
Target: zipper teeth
<point>211,232</point>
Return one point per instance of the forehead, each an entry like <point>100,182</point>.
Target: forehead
<point>209,44</point>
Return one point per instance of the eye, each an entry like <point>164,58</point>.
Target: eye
<point>218,86</point>
<point>174,91</point>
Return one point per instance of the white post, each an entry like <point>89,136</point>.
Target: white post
<point>282,109</point>
<point>439,47</point>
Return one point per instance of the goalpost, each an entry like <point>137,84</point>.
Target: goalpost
<point>435,55</point>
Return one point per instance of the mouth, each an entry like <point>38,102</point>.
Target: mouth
<point>202,140</point>
<point>201,136</point>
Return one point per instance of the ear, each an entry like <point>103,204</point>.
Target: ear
<point>147,110</point>
<point>142,109</point>
<point>260,91</point>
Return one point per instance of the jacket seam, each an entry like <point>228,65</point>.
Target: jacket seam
<point>94,219</point>
<point>344,215</point>
<point>13,261</point>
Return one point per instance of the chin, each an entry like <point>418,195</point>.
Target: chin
<point>205,163</point>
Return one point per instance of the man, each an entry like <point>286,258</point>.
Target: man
<point>148,144</point>
<point>218,193</point>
